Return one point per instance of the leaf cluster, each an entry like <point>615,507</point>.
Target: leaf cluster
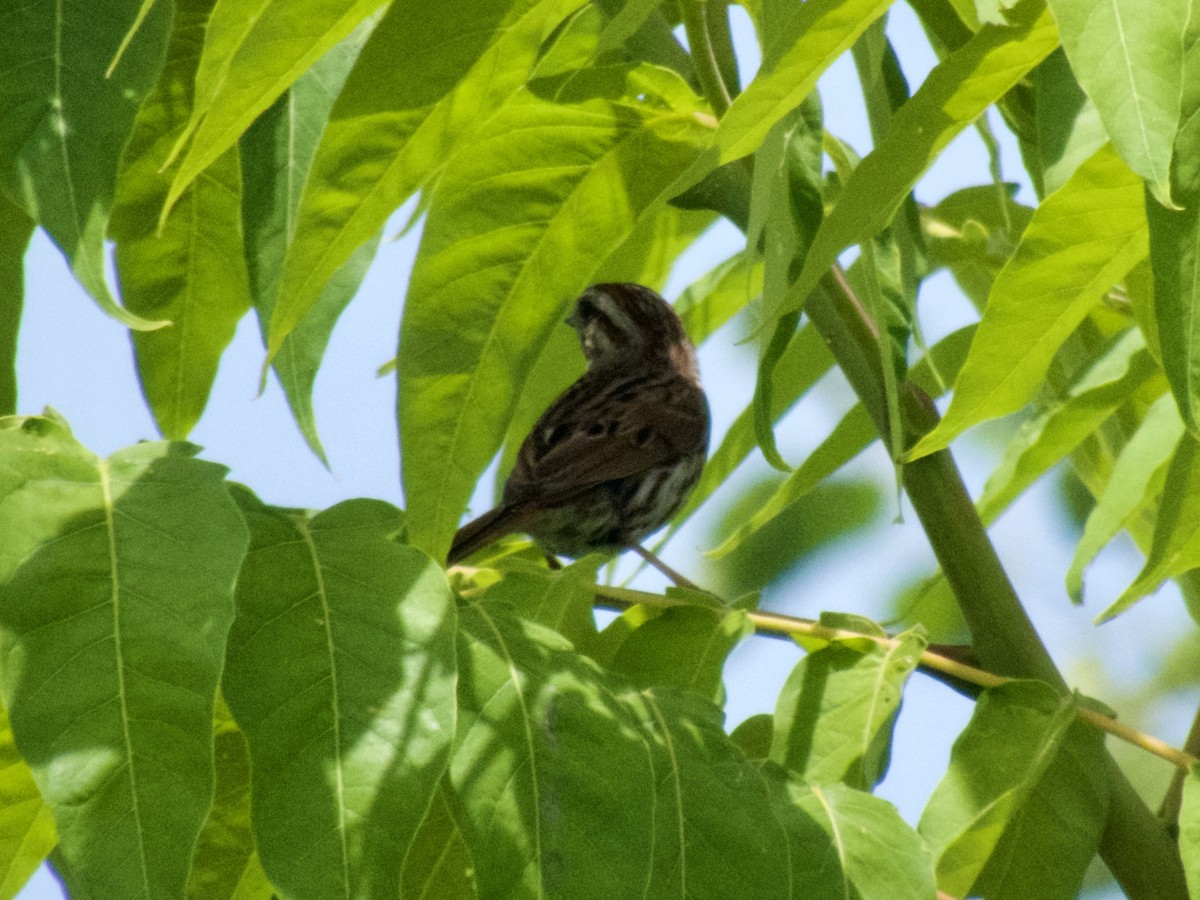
<point>209,696</point>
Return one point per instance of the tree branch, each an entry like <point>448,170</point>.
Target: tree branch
<point>779,625</point>
<point>1136,846</point>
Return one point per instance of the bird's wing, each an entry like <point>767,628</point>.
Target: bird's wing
<point>596,433</point>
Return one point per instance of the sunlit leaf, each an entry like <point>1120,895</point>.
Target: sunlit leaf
<point>27,832</point>
<point>277,153</point>
<point>1047,848</point>
<point>439,862</point>
<point>63,121</point>
<point>1014,734</point>
<point>572,784</point>
<point>192,271</point>
<point>226,862</point>
<point>253,52</point>
<point>680,646</point>
<point>1189,830</point>
<point>879,857</point>
<point>15,231</point>
<point>1060,425</point>
<point>814,35</point>
<point>835,714</point>
<point>1128,56</point>
<point>1176,545</point>
<point>341,674</point>
<point>956,92</point>
<point>432,73</point>
<point>116,593</point>
<point>1080,242</point>
<point>560,599</point>
<point>1069,126</point>
<point>1136,478</point>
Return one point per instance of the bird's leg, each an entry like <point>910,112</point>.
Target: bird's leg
<point>649,557</point>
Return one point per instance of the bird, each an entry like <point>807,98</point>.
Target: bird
<point>617,453</point>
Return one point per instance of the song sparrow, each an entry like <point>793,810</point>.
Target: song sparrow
<point>619,451</point>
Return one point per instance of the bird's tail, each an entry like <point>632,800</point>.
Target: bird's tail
<point>491,526</point>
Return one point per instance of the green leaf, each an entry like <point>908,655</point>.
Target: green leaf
<point>853,434</point>
<point>973,233</point>
<point>834,717</point>
<point>879,856</point>
<point>1176,545</point>
<point>803,363</point>
<point>561,599</point>
<point>26,825</point>
<point>1050,843</point>
<point>1174,251</point>
<point>1132,488</point>
<point>786,207</point>
<point>753,736</point>
<point>764,389</point>
<point>1069,129</point>
<point>814,36</point>
<point>713,298</point>
<point>1128,56</point>
<point>1189,830</point>
<point>956,92</point>
<point>680,646</point>
<point>650,252</point>
<point>63,121</point>
<point>570,784</point>
<point>514,232</point>
<point>116,596</point>
<point>1109,380</point>
<point>277,153</point>
<point>439,863</point>
<point>431,74</point>
<point>15,231</point>
<point>192,271</point>
<point>1014,734</point>
<point>1080,242</point>
<point>226,862</point>
<point>849,437</point>
<point>252,54</point>
<point>341,674</point>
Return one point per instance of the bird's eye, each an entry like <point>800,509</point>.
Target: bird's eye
<point>586,310</point>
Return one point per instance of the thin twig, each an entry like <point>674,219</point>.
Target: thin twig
<point>653,560</point>
<point>779,624</point>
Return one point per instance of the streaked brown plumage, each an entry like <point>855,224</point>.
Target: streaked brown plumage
<point>615,456</point>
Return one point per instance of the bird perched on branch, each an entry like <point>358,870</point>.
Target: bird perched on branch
<point>616,455</point>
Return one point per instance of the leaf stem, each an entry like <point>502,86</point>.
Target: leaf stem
<point>1172,802</point>
<point>780,625</point>
<point>695,24</point>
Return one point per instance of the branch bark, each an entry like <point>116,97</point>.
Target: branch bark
<point>1136,846</point>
